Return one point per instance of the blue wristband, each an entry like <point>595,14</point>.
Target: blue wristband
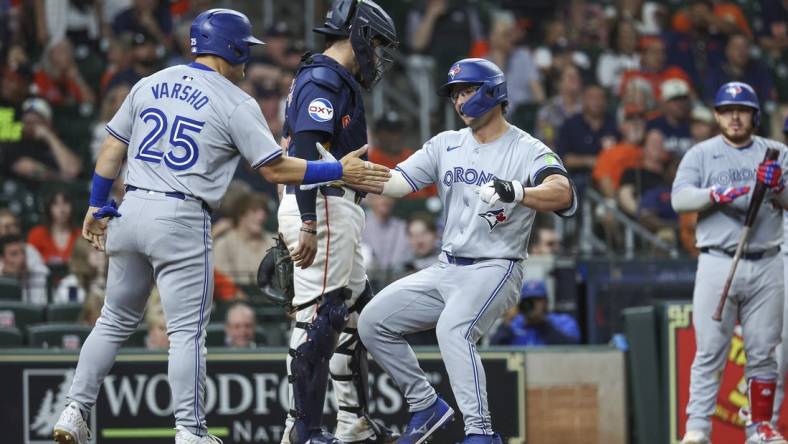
<point>320,171</point>
<point>99,191</point>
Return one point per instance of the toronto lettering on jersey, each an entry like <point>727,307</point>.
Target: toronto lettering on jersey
<point>192,96</point>
<point>734,176</point>
<point>469,176</point>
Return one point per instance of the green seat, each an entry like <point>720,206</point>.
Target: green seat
<point>19,314</point>
<point>60,335</point>
<point>10,337</point>
<point>10,290</point>
<point>64,312</point>
<point>137,339</point>
<point>266,313</point>
<point>215,335</point>
<point>274,334</point>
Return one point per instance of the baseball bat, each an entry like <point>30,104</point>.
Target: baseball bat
<point>752,212</point>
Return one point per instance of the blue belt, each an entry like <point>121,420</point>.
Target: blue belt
<point>326,191</point>
<point>751,256</point>
<point>457,260</point>
<point>173,194</point>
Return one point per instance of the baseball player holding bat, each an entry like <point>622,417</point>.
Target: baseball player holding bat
<point>182,131</point>
<point>715,178</point>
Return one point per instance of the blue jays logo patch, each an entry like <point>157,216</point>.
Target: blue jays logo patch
<point>734,90</point>
<point>493,217</point>
<point>454,71</point>
<point>321,110</point>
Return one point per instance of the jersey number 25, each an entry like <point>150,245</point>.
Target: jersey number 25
<point>178,139</point>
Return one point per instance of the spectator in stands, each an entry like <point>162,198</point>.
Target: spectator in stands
<point>584,135</point>
<point>773,38</point>
<point>91,308</point>
<point>565,104</point>
<point>239,251</point>
<point>387,147</point>
<point>556,53</point>
<point>119,59</point>
<point>109,106</point>
<point>270,103</point>
<point>612,162</point>
<point>523,79</point>
<point>9,224</point>
<point>423,240</point>
<point>698,43</point>
<point>638,93</point>
<point>14,89</point>
<point>13,264</point>
<point>277,42</point>
<point>40,155</point>
<point>702,124</point>
<point>387,237</point>
<point>443,30</point>
<point>649,178</point>
<point>149,17</point>
<point>622,57</point>
<point>674,123</point>
<point>79,20</point>
<point>532,324</point>
<point>182,55</point>
<point>144,61</point>
<point>87,270</point>
<point>739,66</point>
<point>157,338</point>
<point>653,67</point>
<point>58,79</point>
<point>544,241</point>
<point>239,325</point>
<point>55,238</point>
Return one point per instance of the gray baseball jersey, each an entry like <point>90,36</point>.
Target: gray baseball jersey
<point>756,294</point>
<point>458,164</point>
<point>715,163</point>
<point>191,124</point>
<point>461,299</point>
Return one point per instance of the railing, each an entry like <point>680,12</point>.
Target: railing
<point>589,243</point>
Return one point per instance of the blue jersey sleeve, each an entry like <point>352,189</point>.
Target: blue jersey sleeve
<point>316,109</point>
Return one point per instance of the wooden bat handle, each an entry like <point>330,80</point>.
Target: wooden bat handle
<point>752,212</point>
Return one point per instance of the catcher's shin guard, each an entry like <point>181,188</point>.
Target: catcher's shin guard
<point>309,366</point>
<point>350,364</point>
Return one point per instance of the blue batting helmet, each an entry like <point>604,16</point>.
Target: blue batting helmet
<point>739,93</point>
<point>224,33</point>
<point>486,74</point>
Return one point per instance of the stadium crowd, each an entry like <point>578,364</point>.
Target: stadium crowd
<point>621,89</point>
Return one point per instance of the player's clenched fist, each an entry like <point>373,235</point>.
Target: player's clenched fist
<point>771,174</point>
<point>504,190</point>
<point>723,195</point>
<point>363,175</point>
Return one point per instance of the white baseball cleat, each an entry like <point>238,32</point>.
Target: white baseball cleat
<point>184,436</point>
<point>766,434</point>
<point>71,427</point>
<point>695,437</point>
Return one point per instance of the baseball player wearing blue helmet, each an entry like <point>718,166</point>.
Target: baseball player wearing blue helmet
<point>181,132</point>
<point>492,178</point>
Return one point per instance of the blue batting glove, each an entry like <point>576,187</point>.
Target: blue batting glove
<point>109,210</point>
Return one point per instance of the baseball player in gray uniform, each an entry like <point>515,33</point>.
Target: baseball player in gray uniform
<point>492,178</point>
<point>715,178</point>
<point>183,131</point>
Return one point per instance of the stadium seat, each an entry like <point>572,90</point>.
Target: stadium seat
<point>137,339</point>
<point>10,290</point>
<point>60,335</point>
<point>274,334</point>
<point>215,335</point>
<point>20,314</point>
<point>63,312</point>
<point>10,337</point>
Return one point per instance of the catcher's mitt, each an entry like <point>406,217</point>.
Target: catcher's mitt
<point>275,274</point>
